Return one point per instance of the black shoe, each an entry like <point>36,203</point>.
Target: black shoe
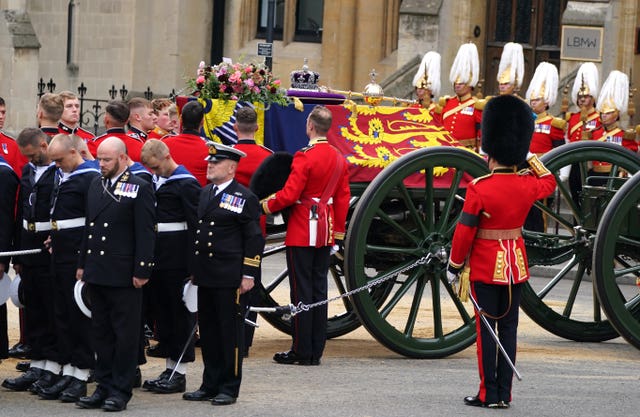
<point>23,366</point>
<point>46,380</point>
<point>503,404</point>
<point>290,357</point>
<point>223,399</point>
<point>199,395</point>
<point>20,351</point>
<point>95,400</point>
<point>74,391</point>
<point>474,401</point>
<point>178,383</point>
<point>53,392</point>
<point>114,404</point>
<point>137,379</point>
<point>158,351</point>
<point>151,383</point>
<point>24,381</point>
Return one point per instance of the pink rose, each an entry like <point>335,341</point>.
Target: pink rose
<point>276,82</point>
<point>200,79</point>
<point>249,82</point>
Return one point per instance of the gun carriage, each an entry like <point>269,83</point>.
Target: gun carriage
<point>400,229</point>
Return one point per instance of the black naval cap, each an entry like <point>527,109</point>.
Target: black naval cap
<point>220,152</point>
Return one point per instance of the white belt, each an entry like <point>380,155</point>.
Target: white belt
<point>317,200</point>
<point>68,223</point>
<point>172,227</point>
<point>36,226</point>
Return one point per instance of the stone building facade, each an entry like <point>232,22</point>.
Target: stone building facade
<point>157,44</point>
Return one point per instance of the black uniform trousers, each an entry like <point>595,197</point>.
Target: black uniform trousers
<point>4,337</point>
<point>39,311</point>
<point>221,323</point>
<point>72,326</point>
<point>116,314</point>
<point>308,267</point>
<point>496,376</point>
<point>175,323</point>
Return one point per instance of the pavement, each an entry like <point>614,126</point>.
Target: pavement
<point>359,377</point>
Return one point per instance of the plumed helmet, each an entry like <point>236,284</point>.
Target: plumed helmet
<point>614,94</point>
<point>511,68</point>
<point>587,82</point>
<point>507,126</point>
<point>466,65</point>
<point>544,84</point>
<point>428,74</point>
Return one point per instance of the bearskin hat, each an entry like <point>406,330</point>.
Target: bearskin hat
<point>507,126</point>
<point>271,175</point>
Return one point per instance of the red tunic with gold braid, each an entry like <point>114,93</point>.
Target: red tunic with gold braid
<point>577,125</point>
<point>548,133</point>
<point>489,228</point>
<point>462,118</point>
<point>311,171</point>
<point>133,145</point>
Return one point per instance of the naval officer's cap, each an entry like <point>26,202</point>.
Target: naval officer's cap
<point>220,152</point>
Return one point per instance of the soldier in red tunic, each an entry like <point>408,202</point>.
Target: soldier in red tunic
<point>317,191</point>
<point>511,69</point>
<point>115,119</point>
<point>70,121</point>
<point>462,114</point>
<point>426,83</point>
<point>142,118</point>
<point>164,124</point>
<point>488,239</point>
<point>8,146</point>
<point>613,102</point>
<point>548,131</point>
<point>584,92</point>
<point>189,148</point>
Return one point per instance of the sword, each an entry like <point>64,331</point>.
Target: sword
<point>494,336</point>
<point>20,252</point>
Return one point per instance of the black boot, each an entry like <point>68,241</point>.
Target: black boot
<point>46,380</point>
<point>178,383</point>
<point>74,391</point>
<point>53,392</point>
<point>24,381</point>
<point>149,384</point>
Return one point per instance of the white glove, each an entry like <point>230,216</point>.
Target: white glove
<point>563,175</point>
<point>334,249</point>
<point>452,277</point>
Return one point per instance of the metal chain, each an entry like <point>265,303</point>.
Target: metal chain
<point>295,309</point>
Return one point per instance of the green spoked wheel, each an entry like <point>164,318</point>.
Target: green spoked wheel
<point>407,214</point>
<point>275,291</point>
<point>617,261</point>
<point>561,256</point>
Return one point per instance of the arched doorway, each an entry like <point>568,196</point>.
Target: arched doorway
<point>535,24</point>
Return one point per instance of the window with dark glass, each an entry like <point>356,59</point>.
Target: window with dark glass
<point>309,20</point>
<point>278,19</point>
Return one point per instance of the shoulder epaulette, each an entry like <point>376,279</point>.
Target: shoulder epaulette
<point>442,101</point>
<point>567,116</point>
<point>638,129</point>
<point>306,148</point>
<point>480,103</point>
<point>475,181</point>
<point>437,109</point>
<point>559,123</point>
<point>630,134</point>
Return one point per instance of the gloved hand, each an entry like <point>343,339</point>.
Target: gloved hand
<point>337,248</point>
<point>453,274</point>
<point>452,278</point>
